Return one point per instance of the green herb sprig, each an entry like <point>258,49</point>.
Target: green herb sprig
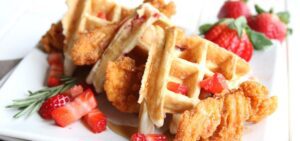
<point>34,100</point>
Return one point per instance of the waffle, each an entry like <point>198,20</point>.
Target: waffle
<point>126,38</point>
<point>166,63</point>
<point>82,17</point>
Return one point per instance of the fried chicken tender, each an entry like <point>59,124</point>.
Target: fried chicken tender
<point>52,41</point>
<point>248,103</point>
<point>169,9</point>
<point>261,104</point>
<point>89,46</point>
<point>236,110</point>
<point>200,122</point>
<point>122,84</point>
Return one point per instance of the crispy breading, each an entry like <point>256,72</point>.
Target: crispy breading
<point>169,9</point>
<point>236,110</point>
<point>201,122</point>
<point>122,84</point>
<point>261,104</point>
<point>52,41</point>
<point>215,119</point>
<point>89,46</point>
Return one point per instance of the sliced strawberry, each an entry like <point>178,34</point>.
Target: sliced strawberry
<point>177,88</point>
<point>101,15</point>
<point>95,120</point>
<point>53,103</point>
<point>74,91</point>
<point>148,137</point>
<point>76,109</point>
<point>215,84</point>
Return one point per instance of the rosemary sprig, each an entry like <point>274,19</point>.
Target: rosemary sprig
<point>34,100</point>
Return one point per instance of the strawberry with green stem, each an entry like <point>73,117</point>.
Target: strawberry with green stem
<point>274,26</point>
<point>235,36</point>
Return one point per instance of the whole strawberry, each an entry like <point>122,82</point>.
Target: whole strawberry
<point>235,36</point>
<point>234,9</point>
<point>271,25</point>
<point>53,103</point>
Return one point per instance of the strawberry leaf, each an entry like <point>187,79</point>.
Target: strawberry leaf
<point>258,40</point>
<point>284,17</point>
<point>204,28</point>
<point>238,25</point>
<point>259,10</point>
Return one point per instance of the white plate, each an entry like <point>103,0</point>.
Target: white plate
<point>30,75</point>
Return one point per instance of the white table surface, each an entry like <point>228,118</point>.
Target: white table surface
<point>41,13</point>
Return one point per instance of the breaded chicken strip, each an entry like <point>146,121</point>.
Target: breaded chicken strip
<point>122,84</point>
<point>261,104</point>
<point>169,9</point>
<point>200,122</point>
<point>236,110</point>
<point>248,103</point>
<point>53,40</point>
<point>90,46</point>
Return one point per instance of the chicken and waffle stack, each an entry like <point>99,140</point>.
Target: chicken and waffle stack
<point>137,53</point>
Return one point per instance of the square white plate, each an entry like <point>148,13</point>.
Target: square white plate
<point>31,72</point>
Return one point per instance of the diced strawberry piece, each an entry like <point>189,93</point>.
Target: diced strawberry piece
<point>148,137</point>
<point>55,58</point>
<point>101,15</point>
<point>215,84</point>
<point>53,103</point>
<point>55,73</point>
<point>56,69</point>
<point>73,111</point>
<point>177,88</point>
<point>95,120</point>
<point>74,91</point>
<point>53,81</point>
<point>138,137</point>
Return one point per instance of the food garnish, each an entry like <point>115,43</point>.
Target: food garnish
<point>273,26</point>
<point>148,137</point>
<point>52,103</point>
<point>73,111</point>
<point>95,120</point>
<point>33,102</point>
<point>214,84</point>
